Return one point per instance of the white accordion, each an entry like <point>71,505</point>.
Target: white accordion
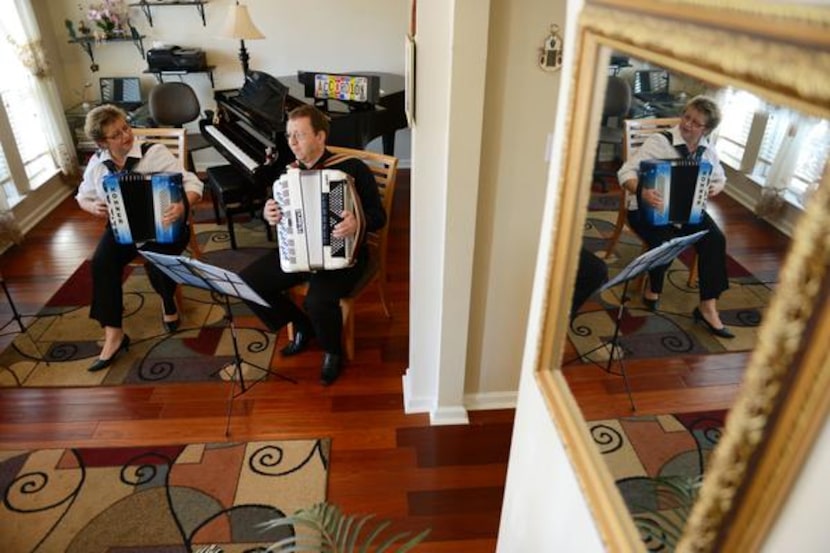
<point>311,203</point>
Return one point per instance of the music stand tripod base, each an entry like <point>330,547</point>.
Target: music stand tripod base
<point>225,283</point>
<point>17,317</point>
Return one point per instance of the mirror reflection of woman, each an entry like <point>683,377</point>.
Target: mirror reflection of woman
<point>690,138</point>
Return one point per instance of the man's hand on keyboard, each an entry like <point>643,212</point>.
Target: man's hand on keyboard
<point>346,227</point>
<point>271,212</point>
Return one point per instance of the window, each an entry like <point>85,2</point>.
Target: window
<point>810,165</point>
<point>25,118</point>
<point>738,108</point>
<point>774,146</point>
<point>776,125</point>
<point>34,139</point>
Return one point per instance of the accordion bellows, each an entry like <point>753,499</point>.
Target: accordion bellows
<point>311,203</point>
<point>684,185</point>
<point>136,203</point>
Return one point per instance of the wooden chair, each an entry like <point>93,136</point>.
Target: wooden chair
<point>385,170</point>
<point>636,131</point>
<point>175,139</point>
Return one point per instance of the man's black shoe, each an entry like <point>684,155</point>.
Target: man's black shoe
<point>298,344</point>
<point>331,368</point>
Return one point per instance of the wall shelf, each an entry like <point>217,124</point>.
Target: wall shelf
<point>146,7</point>
<point>160,74</point>
<point>88,43</point>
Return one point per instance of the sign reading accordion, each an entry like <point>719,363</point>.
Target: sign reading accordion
<point>311,203</point>
<point>136,204</point>
<point>684,185</point>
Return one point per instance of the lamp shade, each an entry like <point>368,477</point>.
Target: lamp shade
<point>239,25</point>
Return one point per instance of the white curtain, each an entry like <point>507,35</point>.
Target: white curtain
<point>19,27</point>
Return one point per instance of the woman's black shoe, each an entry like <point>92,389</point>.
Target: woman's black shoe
<point>330,369</point>
<point>651,305</point>
<point>720,332</point>
<point>171,326</point>
<point>298,344</point>
<point>102,364</point>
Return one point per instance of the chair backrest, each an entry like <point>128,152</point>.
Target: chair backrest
<point>617,101</point>
<point>173,104</point>
<point>385,170</point>
<point>173,138</point>
<point>176,141</point>
<point>638,130</point>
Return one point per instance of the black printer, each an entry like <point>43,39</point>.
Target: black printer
<point>174,58</point>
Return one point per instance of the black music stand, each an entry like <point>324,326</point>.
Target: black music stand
<point>192,272</point>
<point>17,317</point>
<point>648,260</point>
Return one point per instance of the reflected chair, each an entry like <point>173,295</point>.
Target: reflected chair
<point>385,170</point>
<point>174,104</point>
<point>635,132</point>
<point>616,106</point>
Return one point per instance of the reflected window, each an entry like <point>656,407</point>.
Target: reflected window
<point>775,147</point>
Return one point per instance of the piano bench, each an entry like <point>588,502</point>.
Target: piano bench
<point>232,192</point>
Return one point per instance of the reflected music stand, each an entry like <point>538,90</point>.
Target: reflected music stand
<point>648,260</point>
<point>192,272</point>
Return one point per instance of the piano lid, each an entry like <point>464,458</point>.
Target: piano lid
<point>265,96</point>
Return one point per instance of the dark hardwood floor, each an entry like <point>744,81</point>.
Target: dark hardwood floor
<point>447,478</point>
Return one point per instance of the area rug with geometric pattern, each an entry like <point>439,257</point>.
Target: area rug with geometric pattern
<point>61,341</point>
<point>654,461</point>
<point>163,499</point>
<point>670,330</point>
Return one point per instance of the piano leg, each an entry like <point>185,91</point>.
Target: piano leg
<point>389,144</point>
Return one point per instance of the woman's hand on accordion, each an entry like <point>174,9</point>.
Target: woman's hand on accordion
<point>95,207</point>
<point>652,197</point>
<point>346,227</point>
<point>272,212</point>
<point>173,213</point>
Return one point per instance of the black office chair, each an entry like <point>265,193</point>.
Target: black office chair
<point>174,104</point>
<point>617,105</point>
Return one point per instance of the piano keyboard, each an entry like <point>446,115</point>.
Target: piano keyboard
<point>232,148</point>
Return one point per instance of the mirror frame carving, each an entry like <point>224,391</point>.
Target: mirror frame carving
<point>782,54</point>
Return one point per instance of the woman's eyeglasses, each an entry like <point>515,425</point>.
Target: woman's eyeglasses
<point>120,133</point>
<point>689,120</point>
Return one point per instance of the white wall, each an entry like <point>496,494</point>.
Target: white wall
<point>543,504</point>
<point>483,116</point>
<point>519,117</point>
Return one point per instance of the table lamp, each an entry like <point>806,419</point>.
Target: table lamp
<point>239,25</point>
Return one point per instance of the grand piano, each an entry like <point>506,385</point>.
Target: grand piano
<point>248,129</point>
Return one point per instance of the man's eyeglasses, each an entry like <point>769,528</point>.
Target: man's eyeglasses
<point>120,133</point>
<point>296,135</point>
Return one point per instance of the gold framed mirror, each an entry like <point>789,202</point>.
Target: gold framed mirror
<point>780,53</point>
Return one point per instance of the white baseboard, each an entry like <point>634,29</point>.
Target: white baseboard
<point>445,416</point>
<point>412,404</point>
<point>491,400</point>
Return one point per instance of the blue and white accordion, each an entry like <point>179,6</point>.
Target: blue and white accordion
<point>684,185</point>
<point>311,203</point>
<point>136,203</point>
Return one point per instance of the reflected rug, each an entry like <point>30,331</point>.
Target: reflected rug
<point>670,330</point>
<point>643,452</point>
<point>62,341</point>
<point>160,499</point>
